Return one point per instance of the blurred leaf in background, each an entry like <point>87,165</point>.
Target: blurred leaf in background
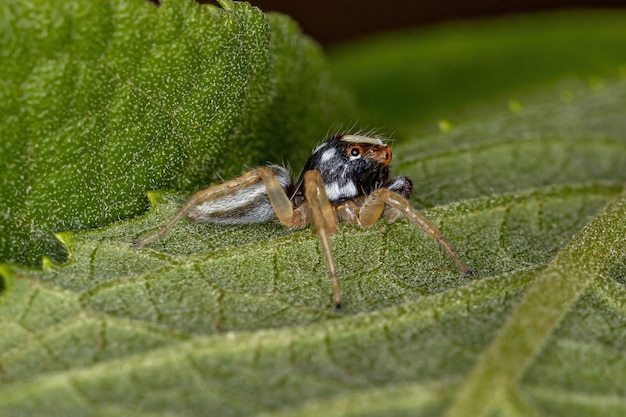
<point>215,320</point>
<point>460,70</point>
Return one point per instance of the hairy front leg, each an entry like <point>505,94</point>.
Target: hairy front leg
<point>325,223</point>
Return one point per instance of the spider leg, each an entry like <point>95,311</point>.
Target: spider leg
<point>375,203</point>
<point>325,223</point>
<point>279,200</point>
<point>348,211</point>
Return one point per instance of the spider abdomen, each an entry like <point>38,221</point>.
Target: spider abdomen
<point>246,205</point>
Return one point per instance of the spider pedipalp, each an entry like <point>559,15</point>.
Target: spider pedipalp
<point>345,176</point>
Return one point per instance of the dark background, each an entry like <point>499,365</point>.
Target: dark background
<point>335,21</point>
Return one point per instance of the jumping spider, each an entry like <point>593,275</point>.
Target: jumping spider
<point>346,175</point>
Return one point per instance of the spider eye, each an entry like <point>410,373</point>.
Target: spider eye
<point>355,151</point>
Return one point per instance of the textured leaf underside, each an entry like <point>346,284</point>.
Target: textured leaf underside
<point>182,326</point>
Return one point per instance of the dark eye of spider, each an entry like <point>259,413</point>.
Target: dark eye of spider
<point>355,151</point>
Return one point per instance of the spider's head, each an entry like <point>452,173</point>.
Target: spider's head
<point>350,165</point>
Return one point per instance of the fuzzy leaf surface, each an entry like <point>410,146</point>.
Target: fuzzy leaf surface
<point>102,101</point>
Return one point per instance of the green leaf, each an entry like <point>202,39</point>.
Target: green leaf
<point>102,101</point>
<point>214,320</point>
<point>236,320</point>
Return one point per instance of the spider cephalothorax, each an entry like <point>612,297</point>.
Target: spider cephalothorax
<point>350,166</point>
<point>346,175</point>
